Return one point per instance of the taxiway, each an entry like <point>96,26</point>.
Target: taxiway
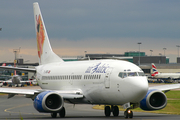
<point>19,107</point>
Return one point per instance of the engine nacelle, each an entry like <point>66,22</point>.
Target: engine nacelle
<point>154,100</point>
<point>48,101</point>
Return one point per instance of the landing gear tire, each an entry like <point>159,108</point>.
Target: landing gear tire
<point>128,113</point>
<point>62,113</point>
<point>115,111</point>
<point>125,114</point>
<point>54,115</point>
<point>107,111</point>
<point>131,114</point>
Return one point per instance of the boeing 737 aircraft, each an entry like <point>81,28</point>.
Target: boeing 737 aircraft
<point>16,80</point>
<point>170,76</point>
<point>103,82</point>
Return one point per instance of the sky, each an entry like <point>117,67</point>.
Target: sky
<point>95,26</point>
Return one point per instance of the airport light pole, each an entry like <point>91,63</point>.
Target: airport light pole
<point>151,52</point>
<point>164,50</point>
<point>139,51</point>
<point>178,49</point>
<point>85,53</point>
<point>160,58</point>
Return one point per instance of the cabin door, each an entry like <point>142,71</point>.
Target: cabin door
<point>107,78</point>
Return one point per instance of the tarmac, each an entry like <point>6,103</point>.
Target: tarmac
<point>20,107</point>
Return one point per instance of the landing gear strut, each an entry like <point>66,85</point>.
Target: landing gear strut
<point>128,113</point>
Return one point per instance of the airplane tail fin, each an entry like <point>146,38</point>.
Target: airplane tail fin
<point>155,71</point>
<point>45,53</point>
<point>4,64</point>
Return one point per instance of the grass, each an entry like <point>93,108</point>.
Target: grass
<point>173,104</point>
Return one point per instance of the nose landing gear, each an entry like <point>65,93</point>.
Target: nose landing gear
<point>128,113</point>
<point>115,110</point>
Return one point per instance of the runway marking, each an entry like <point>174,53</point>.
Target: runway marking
<point>24,105</point>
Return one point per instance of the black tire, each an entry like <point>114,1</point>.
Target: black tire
<point>125,114</point>
<point>5,84</point>
<point>130,114</point>
<point>54,115</point>
<point>107,111</point>
<point>116,111</point>
<point>62,113</point>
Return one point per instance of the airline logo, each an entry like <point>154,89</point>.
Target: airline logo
<point>4,64</point>
<point>40,35</point>
<point>155,72</point>
<point>98,68</point>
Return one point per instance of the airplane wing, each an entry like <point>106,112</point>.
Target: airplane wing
<point>68,94</point>
<point>19,69</point>
<point>165,87</point>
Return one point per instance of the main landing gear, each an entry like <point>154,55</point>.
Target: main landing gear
<point>115,110</point>
<point>62,113</point>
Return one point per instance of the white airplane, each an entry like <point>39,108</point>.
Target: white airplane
<point>170,76</point>
<point>101,82</point>
<point>16,80</point>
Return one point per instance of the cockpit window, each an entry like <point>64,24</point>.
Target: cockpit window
<point>141,73</point>
<point>122,74</point>
<point>130,74</point>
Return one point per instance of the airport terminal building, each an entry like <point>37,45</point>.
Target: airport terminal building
<point>161,62</point>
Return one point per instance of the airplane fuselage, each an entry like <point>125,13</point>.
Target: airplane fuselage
<point>168,75</point>
<point>99,81</point>
<point>16,79</point>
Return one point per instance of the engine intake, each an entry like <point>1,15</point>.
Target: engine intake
<point>48,101</point>
<point>154,100</point>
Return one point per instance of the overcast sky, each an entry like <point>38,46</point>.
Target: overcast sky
<point>95,26</point>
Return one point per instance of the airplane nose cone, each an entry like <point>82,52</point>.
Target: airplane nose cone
<point>139,88</point>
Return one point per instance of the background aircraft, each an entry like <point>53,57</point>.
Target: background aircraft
<point>164,76</point>
<point>102,82</point>
<point>15,80</point>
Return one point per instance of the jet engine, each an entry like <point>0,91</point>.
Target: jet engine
<point>154,100</point>
<point>48,101</point>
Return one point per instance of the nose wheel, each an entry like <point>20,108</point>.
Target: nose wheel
<point>128,114</point>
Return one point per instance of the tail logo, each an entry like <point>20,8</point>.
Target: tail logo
<point>40,35</point>
<point>4,64</point>
<point>155,72</point>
